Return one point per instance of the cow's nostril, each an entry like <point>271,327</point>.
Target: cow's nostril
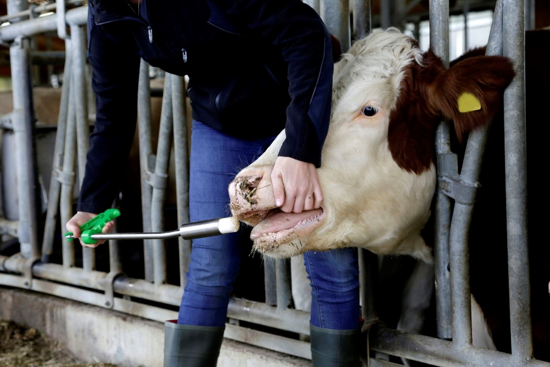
<point>248,185</point>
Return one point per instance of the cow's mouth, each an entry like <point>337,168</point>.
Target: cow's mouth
<point>279,228</point>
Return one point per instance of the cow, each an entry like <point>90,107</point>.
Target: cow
<point>378,161</point>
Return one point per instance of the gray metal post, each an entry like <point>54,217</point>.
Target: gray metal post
<point>81,105</point>
<point>145,151</point>
<point>465,12</point>
<point>68,174</point>
<point>182,171</point>
<point>529,15</point>
<point>22,117</point>
<point>270,280</point>
<point>158,180</point>
<point>284,290</point>
<point>516,183</point>
<point>362,18</point>
<point>335,14</point>
<point>55,182</point>
<point>385,14</point>
<point>439,42</point>
<point>368,270</point>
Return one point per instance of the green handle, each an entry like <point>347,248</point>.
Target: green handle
<point>95,225</point>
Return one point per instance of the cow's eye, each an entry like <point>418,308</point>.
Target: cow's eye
<point>369,111</point>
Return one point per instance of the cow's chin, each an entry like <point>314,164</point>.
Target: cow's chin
<point>283,235</point>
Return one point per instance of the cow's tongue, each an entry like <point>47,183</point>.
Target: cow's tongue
<point>280,221</point>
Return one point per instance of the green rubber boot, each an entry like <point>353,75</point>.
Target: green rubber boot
<point>335,348</point>
<point>191,346</point>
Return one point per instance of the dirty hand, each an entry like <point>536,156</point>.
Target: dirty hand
<point>296,185</point>
<point>73,225</point>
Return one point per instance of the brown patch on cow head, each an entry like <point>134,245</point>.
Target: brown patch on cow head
<point>429,92</point>
<point>413,121</point>
<point>485,77</point>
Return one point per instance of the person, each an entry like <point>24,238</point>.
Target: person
<point>255,67</point>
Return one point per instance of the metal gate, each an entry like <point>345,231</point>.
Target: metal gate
<point>32,269</point>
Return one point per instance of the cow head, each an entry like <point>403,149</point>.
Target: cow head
<point>377,172</point>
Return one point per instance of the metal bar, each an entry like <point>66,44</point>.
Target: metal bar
<point>362,18</point>
<point>335,14</point>
<point>182,170</point>
<point>516,184</point>
<point>529,15</point>
<point>22,118</point>
<point>385,14</point>
<point>460,276</point>
<point>67,175</point>
<point>270,280</point>
<point>145,151</point>
<point>465,11</point>
<point>38,9</point>
<point>60,15</point>
<point>255,312</point>
<point>277,343</point>
<point>55,184</point>
<point>439,42</point>
<point>249,336</point>
<point>81,106</point>
<point>368,270</point>
<point>462,216</point>
<point>35,26</point>
<point>81,120</point>
<point>114,256</point>
<point>161,173</point>
<point>440,352</point>
<point>284,289</point>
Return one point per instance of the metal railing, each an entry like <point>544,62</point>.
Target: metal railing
<point>31,268</point>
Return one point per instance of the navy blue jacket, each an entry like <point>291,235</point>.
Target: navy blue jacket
<point>254,66</point>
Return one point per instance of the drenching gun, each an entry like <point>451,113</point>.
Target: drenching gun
<point>91,230</point>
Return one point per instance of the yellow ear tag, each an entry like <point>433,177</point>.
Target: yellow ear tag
<point>467,102</point>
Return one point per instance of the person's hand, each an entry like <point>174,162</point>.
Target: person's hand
<point>296,185</point>
<point>73,225</point>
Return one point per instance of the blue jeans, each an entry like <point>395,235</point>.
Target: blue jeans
<point>215,160</point>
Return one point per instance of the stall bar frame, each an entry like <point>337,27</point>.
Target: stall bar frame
<point>31,269</point>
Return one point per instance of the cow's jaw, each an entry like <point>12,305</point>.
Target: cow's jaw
<point>282,234</point>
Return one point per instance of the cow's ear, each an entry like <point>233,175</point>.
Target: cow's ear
<point>470,92</point>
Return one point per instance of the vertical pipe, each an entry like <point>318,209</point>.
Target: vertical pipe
<point>55,184</point>
<point>362,19</point>
<point>335,14</point>
<point>439,42</point>
<point>270,279</point>
<point>66,201</point>
<point>460,276</point>
<point>182,171</point>
<point>23,128</point>
<point>161,174</point>
<point>114,256</point>
<point>465,11</point>
<point>78,92</point>
<point>529,15</point>
<point>385,14</point>
<point>284,292</point>
<point>368,270</point>
<point>516,183</point>
<point>81,109</point>
<point>145,149</point>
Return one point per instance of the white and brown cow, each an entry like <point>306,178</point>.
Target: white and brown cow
<point>378,173</point>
